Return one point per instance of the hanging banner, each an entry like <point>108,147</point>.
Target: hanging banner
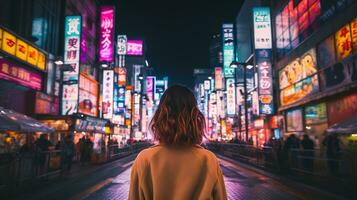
<point>228,49</point>
<point>108,89</point>
<point>263,45</point>
<point>122,41</point>
<point>106,33</point>
<point>72,38</point>
<point>231,96</point>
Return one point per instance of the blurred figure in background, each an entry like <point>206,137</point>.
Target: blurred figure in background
<point>307,153</point>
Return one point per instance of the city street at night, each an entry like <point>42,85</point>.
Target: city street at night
<point>178,99</point>
<point>111,181</point>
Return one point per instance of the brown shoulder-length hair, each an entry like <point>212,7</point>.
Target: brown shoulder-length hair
<point>177,120</point>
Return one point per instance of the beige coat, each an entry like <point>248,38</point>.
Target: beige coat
<point>160,173</point>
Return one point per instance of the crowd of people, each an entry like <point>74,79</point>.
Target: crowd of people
<point>293,151</point>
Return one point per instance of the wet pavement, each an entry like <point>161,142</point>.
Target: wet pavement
<point>111,181</point>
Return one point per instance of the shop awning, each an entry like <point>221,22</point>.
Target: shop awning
<point>13,121</point>
<point>346,127</point>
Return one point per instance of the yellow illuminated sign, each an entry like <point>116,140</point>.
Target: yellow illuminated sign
<point>41,64</point>
<point>32,56</point>
<point>21,49</point>
<point>343,42</point>
<point>9,44</point>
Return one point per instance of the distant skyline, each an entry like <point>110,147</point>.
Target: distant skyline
<point>177,33</point>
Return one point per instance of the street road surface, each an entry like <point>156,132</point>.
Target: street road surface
<point>111,181</point>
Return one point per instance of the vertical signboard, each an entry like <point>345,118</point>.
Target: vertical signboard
<point>122,41</point>
<point>231,96</point>
<point>218,78</point>
<point>150,91</point>
<point>262,28</point>
<point>106,33</point>
<point>228,49</point>
<point>108,96</point>
<point>72,38</point>
<point>263,45</point>
<point>121,76</point>
<point>207,85</point>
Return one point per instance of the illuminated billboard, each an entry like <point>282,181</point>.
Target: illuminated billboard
<point>22,50</point>
<point>262,28</point>
<point>72,38</point>
<point>228,49</point>
<point>122,41</point>
<point>231,96</point>
<point>298,79</point>
<point>106,33</point>
<point>108,94</point>
<point>135,47</point>
<point>263,46</point>
<point>218,78</point>
<point>88,94</point>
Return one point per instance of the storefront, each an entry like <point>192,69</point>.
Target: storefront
<point>79,125</point>
<point>317,88</point>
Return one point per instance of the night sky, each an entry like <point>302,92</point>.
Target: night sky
<point>177,33</point>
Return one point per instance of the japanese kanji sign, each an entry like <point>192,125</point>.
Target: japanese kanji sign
<point>72,38</point>
<point>11,44</point>
<point>106,33</point>
<point>263,57</point>
<point>108,94</point>
<point>231,96</point>
<point>228,49</point>
<point>262,28</point>
<point>343,42</point>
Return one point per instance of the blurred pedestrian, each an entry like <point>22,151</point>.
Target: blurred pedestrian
<point>332,144</point>
<point>67,153</point>
<point>307,153</point>
<point>42,145</point>
<point>291,151</point>
<point>178,167</point>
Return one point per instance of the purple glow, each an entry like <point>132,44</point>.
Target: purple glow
<point>135,47</point>
<point>11,72</point>
<point>106,33</point>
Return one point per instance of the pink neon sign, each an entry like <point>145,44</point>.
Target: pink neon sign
<point>135,47</point>
<point>106,33</point>
<point>19,75</point>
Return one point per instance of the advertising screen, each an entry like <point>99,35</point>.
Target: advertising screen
<point>298,69</point>
<point>88,93</point>
<point>294,120</point>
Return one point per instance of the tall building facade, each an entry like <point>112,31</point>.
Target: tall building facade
<point>315,63</point>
